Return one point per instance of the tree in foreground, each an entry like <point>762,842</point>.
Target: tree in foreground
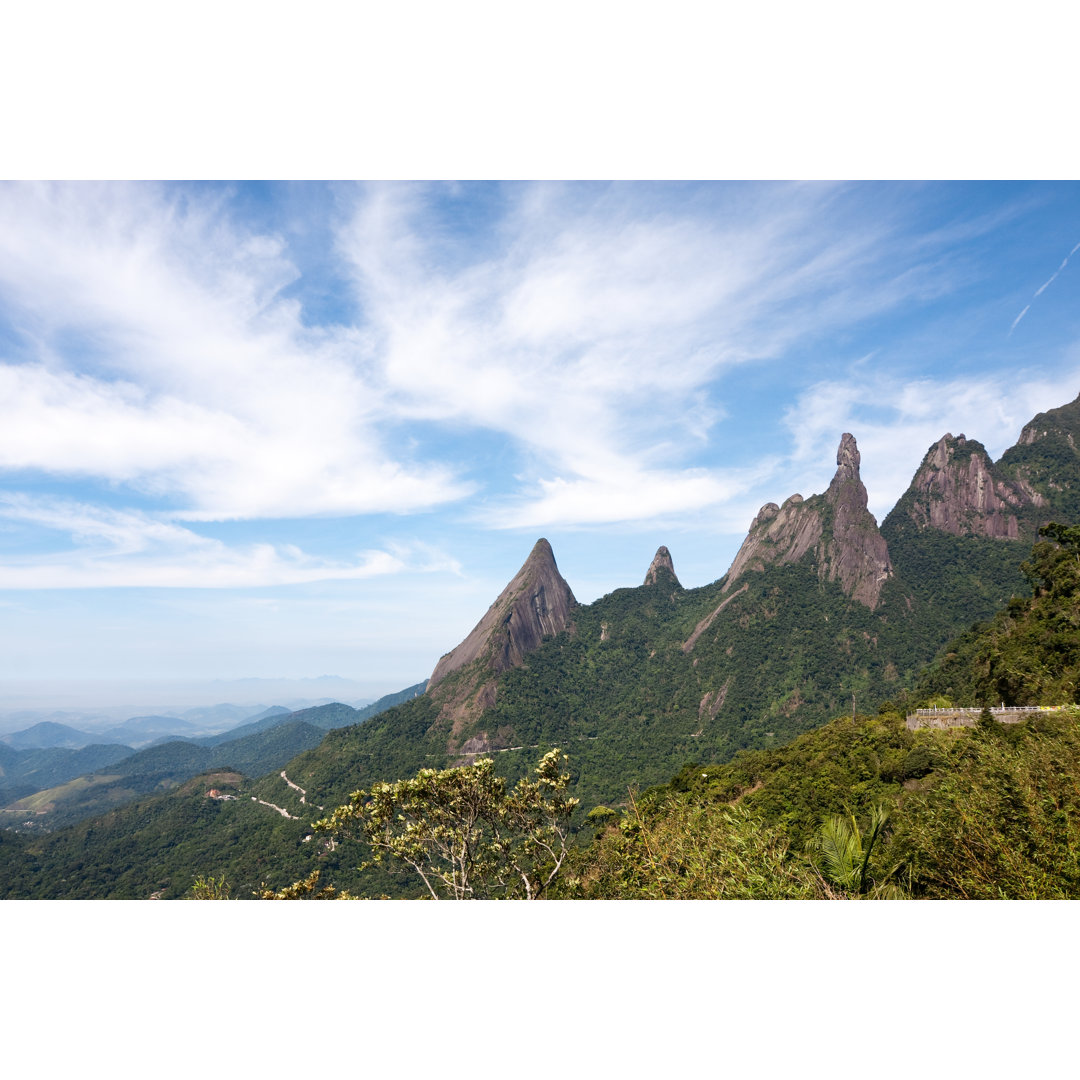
<point>463,832</point>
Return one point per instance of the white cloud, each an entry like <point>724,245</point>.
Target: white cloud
<point>190,375</point>
<point>597,341</point>
<point>588,329</point>
<point>123,548</point>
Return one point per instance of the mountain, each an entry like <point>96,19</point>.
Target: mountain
<point>46,734</point>
<point>661,572</point>
<point>535,605</point>
<point>835,529</point>
<point>265,720</point>
<point>141,730</point>
<point>59,789</point>
<point>1029,653</point>
<point>23,772</point>
<point>161,767</point>
<point>821,614</point>
<point>959,490</point>
<point>215,716</point>
<point>821,610</point>
<point>1046,460</point>
<point>958,534</point>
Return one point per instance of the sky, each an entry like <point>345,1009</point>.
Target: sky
<point>301,429</point>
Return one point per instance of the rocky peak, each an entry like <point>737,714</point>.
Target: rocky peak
<point>848,460</point>
<point>1044,464</point>
<point>836,529</point>
<point>662,569</point>
<point>1062,421</point>
<point>958,490</point>
<point>535,604</point>
<point>856,554</point>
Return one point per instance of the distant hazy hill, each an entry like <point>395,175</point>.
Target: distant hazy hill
<point>140,730</point>
<point>162,767</point>
<point>262,722</point>
<point>49,733</point>
<point>110,776</point>
<point>23,772</point>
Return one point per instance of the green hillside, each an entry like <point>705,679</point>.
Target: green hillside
<point>747,676</point>
<point>1029,653</point>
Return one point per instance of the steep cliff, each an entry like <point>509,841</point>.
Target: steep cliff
<point>959,490</point>
<point>536,604</point>
<point>834,529</point>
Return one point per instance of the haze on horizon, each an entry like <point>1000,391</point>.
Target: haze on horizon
<point>290,429</point>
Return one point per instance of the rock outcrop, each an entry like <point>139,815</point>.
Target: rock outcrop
<point>835,529</point>
<point>662,570</point>
<point>856,554</point>
<point>537,604</point>
<point>959,490</point>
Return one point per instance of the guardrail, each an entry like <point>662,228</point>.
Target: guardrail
<point>994,709</point>
<point>967,716</point>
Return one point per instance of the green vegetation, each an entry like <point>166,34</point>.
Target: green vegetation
<point>865,807</point>
<point>1050,462</point>
<point>23,772</point>
<point>996,817</point>
<point>1001,818</point>
<point>788,804</point>
<point>462,832</point>
<point>1029,653</point>
<point>162,767</point>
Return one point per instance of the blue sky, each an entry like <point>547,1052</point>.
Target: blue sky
<point>299,429</point>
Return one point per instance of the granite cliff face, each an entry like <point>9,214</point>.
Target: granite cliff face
<point>537,604</point>
<point>959,490</point>
<point>856,554</point>
<point>835,529</point>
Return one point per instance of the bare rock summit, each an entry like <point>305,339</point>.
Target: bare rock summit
<point>536,604</point>
<point>835,529</point>
<point>958,490</point>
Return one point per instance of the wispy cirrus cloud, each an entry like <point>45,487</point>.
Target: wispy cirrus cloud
<point>162,346</point>
<point>122,548</point>
<point>596,337</point>
<point>164,356</point>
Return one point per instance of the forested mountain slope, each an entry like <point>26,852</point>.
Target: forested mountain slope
<point>821,614</point>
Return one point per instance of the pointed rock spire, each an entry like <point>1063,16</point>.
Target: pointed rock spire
<point>835,527</point>
<point>847,461</point>
<point>536,604</point>
<point>857,555</point>
<point>662,569</point>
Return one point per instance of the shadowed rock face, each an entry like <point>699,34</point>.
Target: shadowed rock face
<point>958,489</point>
<point>661,569</point>
<point>835,528</point>
<point>536,604</point>
<point>856,555</point>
